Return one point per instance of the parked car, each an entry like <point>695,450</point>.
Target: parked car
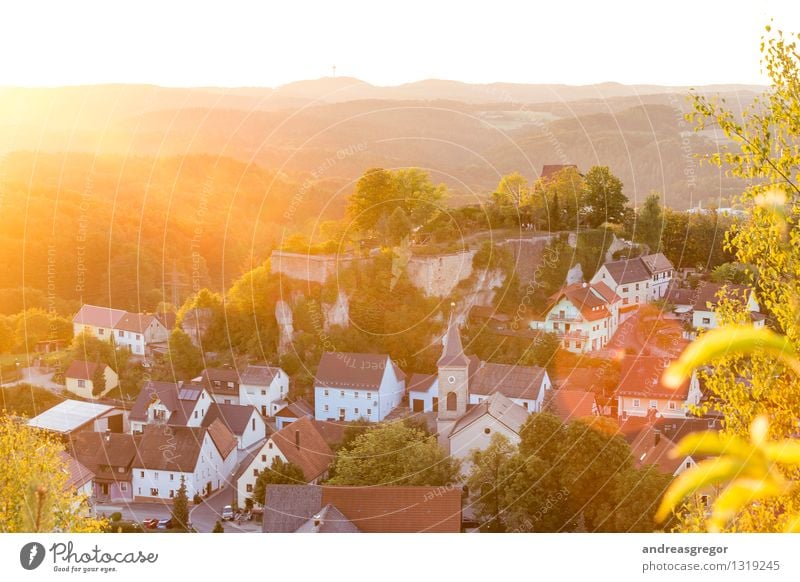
<point>150,523</point>
<point>227,513</point>
<point>166,524</point>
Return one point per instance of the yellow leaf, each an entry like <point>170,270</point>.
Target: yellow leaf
<point>711,443</point>
<point>738,494</point>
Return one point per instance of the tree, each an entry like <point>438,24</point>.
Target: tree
<point>511,200</point>
<point>6,336</point>
<point>98,379</point>
<point>218,528</point>
<point>180,507</point>
<point>733,273</point>
<point>34,488</point>
<point>398,227</point>
<point>604,200</point>
<point>185,359</point>
<point>89,348</point>
<point>278,473</point>
<point>650,222</point>
<point>487,480</point>
<point>394,454</point>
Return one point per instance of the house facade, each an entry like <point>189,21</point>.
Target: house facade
<point>704,314</point>
<point>245,422</point>
<point>205,458</point>
<point>641,393</point>
<point>639,280</point>
<point>80,376</point>
<point>352,386</point>
<point>584,316</point>
<point>136,331</point>
<point>264,387</point>
<point>661,274</point>
<point>474,430</point>
<point>110,457</point>
<point>172,403</point>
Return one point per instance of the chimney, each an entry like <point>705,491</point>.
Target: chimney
<point>656,438</point>
<point>318,520</point>
<point>297,439</point>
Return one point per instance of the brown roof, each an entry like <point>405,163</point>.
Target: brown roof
<point>312,454</point>
<point>332,431</point>
<point>369,509</point>
<point>296,409</point>
<point>216,381</point>
<point>657,263</point>
<point>77,474</point>
<point>82,370</point>
<point>572,404</point>
<point>179,399</point>
<point>628,271</point>
<point>549,171</point>
<point>706,297</point>
<point>651,447</point>
<point>104,454</point>
<point>678,296</point>
<point>259,375</point>
<point>222,437</point>
<point>421,382</point>
<point>452,351</point>
<point>641,376</point>
<point>234,416</point>
<point>592,304</point>
<point>511,380</point>
<point>167,318</point>
<point>498,407</point>
<point>135,322</point>
<point>98,316</point>
<point>346,369</point>
<point>177,448</point>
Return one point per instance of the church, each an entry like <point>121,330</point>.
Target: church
<point>472,399</point>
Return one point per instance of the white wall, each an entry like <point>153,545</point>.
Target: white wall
<point>475,436</point>
<point>261,461</point>
<point>252,434</point>
<point>262,396</point>
<point>426,397</point>
<point>360,403</point>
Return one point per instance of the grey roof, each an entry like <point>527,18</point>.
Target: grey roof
<point>657,263</point>
<point>453,351</point>
<point>328,520</point>
<point>98,316</point>
<point>706,297</point>
<point>498,407</point>
<point>259,375</point>
<point>297,409</point>
<point>288,507</point>
<point>179,399</point>
<point>510,380</point>
<point>353,370</point>
<point>235,416</point>
<point>628,271</point>
<point>135,322</point>
<point>69,415</point>
<point>421,382</point>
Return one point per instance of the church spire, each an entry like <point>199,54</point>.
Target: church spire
<point>452,351</point>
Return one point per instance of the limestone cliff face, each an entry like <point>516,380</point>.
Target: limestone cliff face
<point>438,275</point>
<point>283,315</point>
<point>338,312</point>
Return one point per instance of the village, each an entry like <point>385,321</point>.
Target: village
<point>251,455</point>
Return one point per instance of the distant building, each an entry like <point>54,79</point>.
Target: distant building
<point>706,302</point>
<point>205,458</point>
<point>110,457</point>
<point>352,386</point>
<point>222,384</point>
<point>175,404</point>
<point>293,411</point>
<point>550,171</point>
<point>139,332</point>
<point>636,281</point>
<point>642,393</point>
<point>80,479</point>
<point>246,424</point>
<point>571,405</point>
<point>264,387</point>
<point>73,416</point>
<point>584,316</point>
<point>80,377</point>
<point>322,509</point>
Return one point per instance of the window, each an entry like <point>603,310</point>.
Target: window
<point>525,404</point>
<point>138,337</point>
<point>452,401</point>
<point>637,286</point>
<point>653,404</point>
<point>230,384</point>
<point>369,411</point>
<point>624,289</point>
<point>325,407</point>
<point>195,414</point>
<point>487,430</point>
<point>577,345</point>
<point>253,423</point>
<point>123,487</point>
<point>672,406</point>
<point>706,321</point>
<point>355,394</point>
<point>171,493</point>
<point>325,392</point>
<point>636,403</point>
<point>255,472</point>
<point>451,379</point>
<point>121,333</point>
<point>624,300</point>
<point>263,393</point>
<point>341,393</point>
<point>172,476</point>
<point>688,464</point>
<point>101,331</point>
<point>249,487</point>
<point>153,492</point>
<point>141,474</point>
<point>81,383</point>
<point>369,395</point>
<point>263,458</point>
<point>269,446</point>
<point>355,411</point>
<point>155,474</point>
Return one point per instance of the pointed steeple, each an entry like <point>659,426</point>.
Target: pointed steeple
<point>452,351</point>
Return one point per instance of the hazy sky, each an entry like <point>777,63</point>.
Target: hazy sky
<point>269,43</point>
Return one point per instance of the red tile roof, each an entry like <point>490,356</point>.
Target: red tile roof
<point>641,376</point>
<point>82,370</point>
<point>549,171</point>
<point>346,369</point>
<point>303,445</point>
<point>572,404</point>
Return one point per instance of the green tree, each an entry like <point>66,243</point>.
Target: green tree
<point>98,380</point>
<point>398,227</point>
<point>185,359</point>
<point>6,336</point>
<point>278,473</point>
<point>511,200</point>
<point>180,507</point>
<point>604,200</point>
<point>394,454</point>
<point>733,273</point>
<point>488,479</point>
<point>218,528</point>
<point>650,222</point>
<point>89,348</point>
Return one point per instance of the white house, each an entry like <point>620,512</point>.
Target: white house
<point>495,415</point>
<point>350,386</point>
<point>641,392</point>
<point>204,457</point>
<point>423,392</point>
<point>629,279</point>
<point>136,331</point>
<point>175,404</point>
<point>80,479</point>
<point>661,271</point>
<point>299,443</point>
<point>110,457</point>
<point>584,316</point>
<point>222,384</point>
<point>263,387</point>
<point>81,375</point>
<point>707,300</point>
<point>245,422</point>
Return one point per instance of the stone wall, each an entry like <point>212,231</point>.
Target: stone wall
<point>438,275</point>
<point>312,268</point>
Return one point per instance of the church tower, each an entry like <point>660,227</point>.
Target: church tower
<point>453,381</point>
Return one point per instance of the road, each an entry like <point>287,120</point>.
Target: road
<point>39,377</point>
<point>205,515</point>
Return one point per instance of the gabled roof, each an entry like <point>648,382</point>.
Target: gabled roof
<point>78,475</point>
<point>259,375</point>
<point>591,302</point>
<point>135,322</point>
<point>570,405</point>
<point>69,415</point>
<point>288,508</point>
<point>82,370</point>
<point>303,445</point>
<point>549,171</point>
<point>177,448</point>
<point>179,398</point>
<point>452,351</point>
<point>353,370</point>
<point>510,380</point>
<point>216,381</point>
<point>628,271</point>
<point>706,294</point>
<point>296,409</point>
<point>650,447</point>
<point>657,263</point>
<point>234,416</point>
<point>222,438</point>
<point>328,520</point>
<point>104,454</point>
<point>421,382</point>
<point>167,318</point>
<point>677,296</point>
<point>98,316</point>
<point>641,376</point>
<point>497,406</point>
